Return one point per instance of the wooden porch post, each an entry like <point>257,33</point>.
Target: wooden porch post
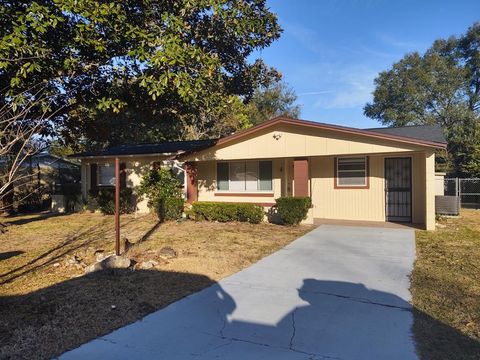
<point>117,206</point>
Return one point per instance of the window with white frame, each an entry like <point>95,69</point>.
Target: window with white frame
<point>248,176</point>
<point>352,172</point>
<point>106,175</point>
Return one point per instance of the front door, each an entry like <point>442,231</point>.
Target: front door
<point>398,189</point>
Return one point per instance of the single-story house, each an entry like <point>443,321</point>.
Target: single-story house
<point>382,174</point>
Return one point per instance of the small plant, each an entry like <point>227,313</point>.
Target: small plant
<point>104,200</point>
<point>164,193</point>
<point>223,212</point>
<point>292,210</point>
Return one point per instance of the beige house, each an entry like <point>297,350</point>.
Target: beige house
<point>385,174</point>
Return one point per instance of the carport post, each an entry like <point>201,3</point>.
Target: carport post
<point>117,206</point>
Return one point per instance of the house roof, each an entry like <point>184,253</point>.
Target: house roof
<point>423,132</point>
<point>419,137</point>
<point>161,148</point>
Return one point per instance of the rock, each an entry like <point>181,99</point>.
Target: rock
<point>110,262</point>
<point>56,264</point>
<point>72,260</point>
<point>146,265</point>
<point>167,253</point>
<point>99,254</point>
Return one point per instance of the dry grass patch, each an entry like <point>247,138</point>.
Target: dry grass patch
<point>48,306</point>
<point>446,289</point>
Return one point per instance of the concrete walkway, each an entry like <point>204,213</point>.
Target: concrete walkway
<point>339,292</point>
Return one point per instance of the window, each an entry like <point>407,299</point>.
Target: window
<point>249,176</point>
<point>351,172</point>
<point>106,175</point>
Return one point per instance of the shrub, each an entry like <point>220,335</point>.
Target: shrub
<point>292,210</point>
<point>223,212</point>
<point>167,208</point>
<point>164,193</point>
<point>104,200</point>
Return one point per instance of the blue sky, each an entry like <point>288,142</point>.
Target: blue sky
<point>331,50</point>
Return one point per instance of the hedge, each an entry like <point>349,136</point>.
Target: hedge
<point>292,210</point>
<point>223,212</point>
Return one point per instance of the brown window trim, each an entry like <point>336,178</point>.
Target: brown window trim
<point>367,176</point>
<point>246,194</point>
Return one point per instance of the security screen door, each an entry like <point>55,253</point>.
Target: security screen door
<point>398,189</point>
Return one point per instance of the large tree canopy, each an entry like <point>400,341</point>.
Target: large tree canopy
<point>273,99</point>
<point>440,86</point>
<point>133,70</point>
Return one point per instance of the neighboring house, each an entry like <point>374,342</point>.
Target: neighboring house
<point>385,174</point>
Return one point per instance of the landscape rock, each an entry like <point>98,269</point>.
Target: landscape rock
<point>146,265</point>
<point>167,253</point>
<point>110,262</point>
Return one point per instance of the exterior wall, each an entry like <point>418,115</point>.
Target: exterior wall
<point>348,204</point>
<point>135,168</point>
<point>328,202</point>
<point>440,183</point>
<point>287,141</point>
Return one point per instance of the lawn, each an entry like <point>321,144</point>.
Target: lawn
<point>48,305</point>
<point>446,289</point>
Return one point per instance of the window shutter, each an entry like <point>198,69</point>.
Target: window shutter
<point>123,176</point>
<point>265,175</point>
<point>222,176</point>
<point>93,176</point>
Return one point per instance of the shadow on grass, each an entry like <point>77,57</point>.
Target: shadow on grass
<point>10,254</point>
<point>10,220</point>
<point>47,322</point>
<point>438,341</point>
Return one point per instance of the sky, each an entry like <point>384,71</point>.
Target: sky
<point>331,51</point>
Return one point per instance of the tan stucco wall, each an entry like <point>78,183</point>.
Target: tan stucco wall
<point>296,141</point>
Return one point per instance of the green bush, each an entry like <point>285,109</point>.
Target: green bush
<point>167,208</point>
<point>104,200</point>
<point>223,212</point>
<point>292,210</point>
<point>164,193</point>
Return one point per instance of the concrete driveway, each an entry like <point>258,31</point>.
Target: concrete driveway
<point>339,292</point>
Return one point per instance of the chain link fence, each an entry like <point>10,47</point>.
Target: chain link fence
<point>468,190</point>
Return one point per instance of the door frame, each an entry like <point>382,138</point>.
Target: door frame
<point>410,157</point>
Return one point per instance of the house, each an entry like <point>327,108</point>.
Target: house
<point>384,174</point>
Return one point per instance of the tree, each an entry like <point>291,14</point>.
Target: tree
<point>442,86</point>
<point>121,68</point>
<point>19,141</point>
<point>267,102</point>
<point>271,100</point>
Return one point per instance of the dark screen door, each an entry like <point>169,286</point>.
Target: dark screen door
<point>398,189</point>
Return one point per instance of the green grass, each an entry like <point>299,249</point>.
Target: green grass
<point>446,289</point>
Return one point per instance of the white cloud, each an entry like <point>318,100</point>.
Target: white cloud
<point>353,87</point>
